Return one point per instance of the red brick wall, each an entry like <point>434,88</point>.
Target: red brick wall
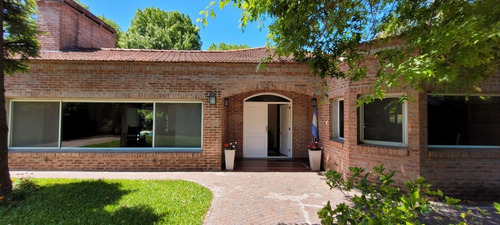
<point>111,161</point>
<point>336,155</point>
<point>472,173</point>
<point>340,155</point>
<point>48,21</point>
<point>224,133</point>
<point>466,173</point>
<point>126,81</point>
<point>70,26</point>
<point>78,31</point>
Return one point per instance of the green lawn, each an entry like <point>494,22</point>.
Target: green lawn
<point>76,201</point>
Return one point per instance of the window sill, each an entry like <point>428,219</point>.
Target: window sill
<point>338,140</point>
<point>104,150</point>
<point>381,149</point>
<point>384,144</point>
<point>463,153</point>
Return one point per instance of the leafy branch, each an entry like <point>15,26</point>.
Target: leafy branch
<point>381,202</point>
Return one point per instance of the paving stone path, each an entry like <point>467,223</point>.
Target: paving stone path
<point>241,197</point>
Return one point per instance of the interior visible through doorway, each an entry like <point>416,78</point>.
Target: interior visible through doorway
<point>273,132</point>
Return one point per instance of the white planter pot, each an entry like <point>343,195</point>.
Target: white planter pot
<point>315,159</point>
<point>229,155</point>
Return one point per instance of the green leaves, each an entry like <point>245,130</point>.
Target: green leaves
<point>451,201</point>
<point>224,46</point>
<point>81,4</point>
<point>437,46</point>
<point>445,45</point>
<point>153,28</point>
<point>381,202</point>
<point>497,207</point>
<point>19,37</point>
<point>114,25</point>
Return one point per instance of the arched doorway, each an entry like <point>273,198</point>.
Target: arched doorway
<point>267,126</point>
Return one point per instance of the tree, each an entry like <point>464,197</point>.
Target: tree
<point>153,28</point>
<point>445,45</point>
<point>18,44</point>
<point>114,25</point>
<point>224,46</point>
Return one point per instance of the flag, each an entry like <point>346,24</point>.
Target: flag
<point>314,129</point>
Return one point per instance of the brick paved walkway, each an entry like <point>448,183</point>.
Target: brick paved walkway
<point>242,197</point>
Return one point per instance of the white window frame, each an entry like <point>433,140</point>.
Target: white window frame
<point>118,149</point>
<point>464,146</point>
<point>403,143</point>
<point>335,118</point>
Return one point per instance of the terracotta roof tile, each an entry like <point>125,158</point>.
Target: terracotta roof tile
<point>251,55</point>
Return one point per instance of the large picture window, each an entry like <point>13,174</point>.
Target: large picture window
<point>94,125</point>
<point>109,125</point>
<point>178,125</point>
<point>453,121</point>
<point>383,122</point>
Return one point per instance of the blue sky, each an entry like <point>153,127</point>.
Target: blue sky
<point>224,28</point>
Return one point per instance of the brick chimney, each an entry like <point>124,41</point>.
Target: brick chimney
<point>70,26</point>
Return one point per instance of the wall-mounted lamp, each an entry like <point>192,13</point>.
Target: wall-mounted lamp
<point>212,99</point>
<point>226,101</point>
<point>314,102</point>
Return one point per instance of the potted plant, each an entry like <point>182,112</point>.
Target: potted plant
<point>229,152</point>
<point>314,150</point>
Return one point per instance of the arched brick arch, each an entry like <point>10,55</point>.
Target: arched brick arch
<point>301,114</point>
<point>267,87</point>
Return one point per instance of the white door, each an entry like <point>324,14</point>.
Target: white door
<point>285,130</point>
<point>255,130</point>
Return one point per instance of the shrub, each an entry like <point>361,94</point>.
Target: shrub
<point>380,202</point>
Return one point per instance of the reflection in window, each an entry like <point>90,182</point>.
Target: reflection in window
<point>178,125</point>
<point>454,121</point>
<point>341,119</point>
<point>383,121</point>
<point>337,118</point>
<point>35,124</point>
<point>107,125</point>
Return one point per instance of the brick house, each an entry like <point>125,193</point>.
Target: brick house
<point>88,106</point>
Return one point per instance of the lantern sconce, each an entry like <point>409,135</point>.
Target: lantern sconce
<point>314,102</point>
<point>226,102</point>
<point>212,99</point>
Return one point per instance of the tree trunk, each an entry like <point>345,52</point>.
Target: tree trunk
<point>5,182</point>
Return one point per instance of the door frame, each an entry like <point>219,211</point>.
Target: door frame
<point>290,121</point>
